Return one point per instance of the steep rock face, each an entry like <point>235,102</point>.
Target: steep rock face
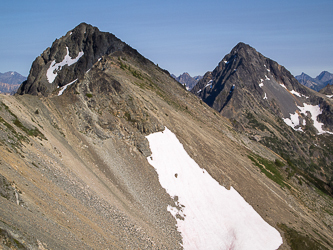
<point>69,58</point>
<point>265,101</point>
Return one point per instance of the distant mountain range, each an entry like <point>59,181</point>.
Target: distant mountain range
<point>10,81</point>
<point>188,80</point>
<point>323,79</point>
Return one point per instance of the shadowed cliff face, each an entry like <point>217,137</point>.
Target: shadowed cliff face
<point>74,164</point>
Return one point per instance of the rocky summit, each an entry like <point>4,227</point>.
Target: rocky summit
<point>102,149</point>
<point>69,58</point>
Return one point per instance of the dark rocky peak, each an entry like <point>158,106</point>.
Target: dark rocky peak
<point>69,58</point>
<point>243,72</point>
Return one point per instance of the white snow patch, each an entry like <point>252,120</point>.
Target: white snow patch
<point>63,88</point>
<point>295,93</point>
<point>266,78</point>
<point>265,97</point>
<point>261,83</point>
<point>55,67</point>
<point>293,121</point>
<point>314,110</point>
<point>213,217</point>
<point>12,73</point>
<point>329,96</point>
<point>209,83</point>
<point>283,86</point>
<point>226,62</point>
<point>99,59</point>
<point>268,70</point>
<point>199,91</point>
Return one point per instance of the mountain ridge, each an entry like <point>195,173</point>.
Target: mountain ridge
<point>76,161</point>
<point>323,79</point>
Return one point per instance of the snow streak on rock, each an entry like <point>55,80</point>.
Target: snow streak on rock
<point>52,72</point>
<point>65,87</point>
<point>208,215</point>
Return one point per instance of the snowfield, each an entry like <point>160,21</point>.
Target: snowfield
<point>208,215</point>
<point>293,121</point>
<point>314,111</point>
<point>58,66</point>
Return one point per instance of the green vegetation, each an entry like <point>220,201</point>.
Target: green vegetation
<point>270,169</point>
<point>298,241</point>
<point>32,132</point>
<point>129,117</point>
<point>89,95</point>
<point>10,241</point>
<point>254,123</point>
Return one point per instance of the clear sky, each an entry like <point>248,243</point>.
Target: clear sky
<point>180,36</point>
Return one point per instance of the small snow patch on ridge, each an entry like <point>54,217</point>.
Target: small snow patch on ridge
<point>212,217</point>
<point>295,93</point>
<point>283,86</point>
<point>55,67</point>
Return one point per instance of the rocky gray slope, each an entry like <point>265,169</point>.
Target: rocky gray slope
<point>75,175</point>
<point>323,79</point>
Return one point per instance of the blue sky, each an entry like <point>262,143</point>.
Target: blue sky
<point>180,36</point>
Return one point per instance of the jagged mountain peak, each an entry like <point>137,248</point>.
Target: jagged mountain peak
<point>69,58</point>
<point>243,72</point>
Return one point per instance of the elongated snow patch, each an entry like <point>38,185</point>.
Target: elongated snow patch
<point>52,71</point>
<point>208,215</point>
